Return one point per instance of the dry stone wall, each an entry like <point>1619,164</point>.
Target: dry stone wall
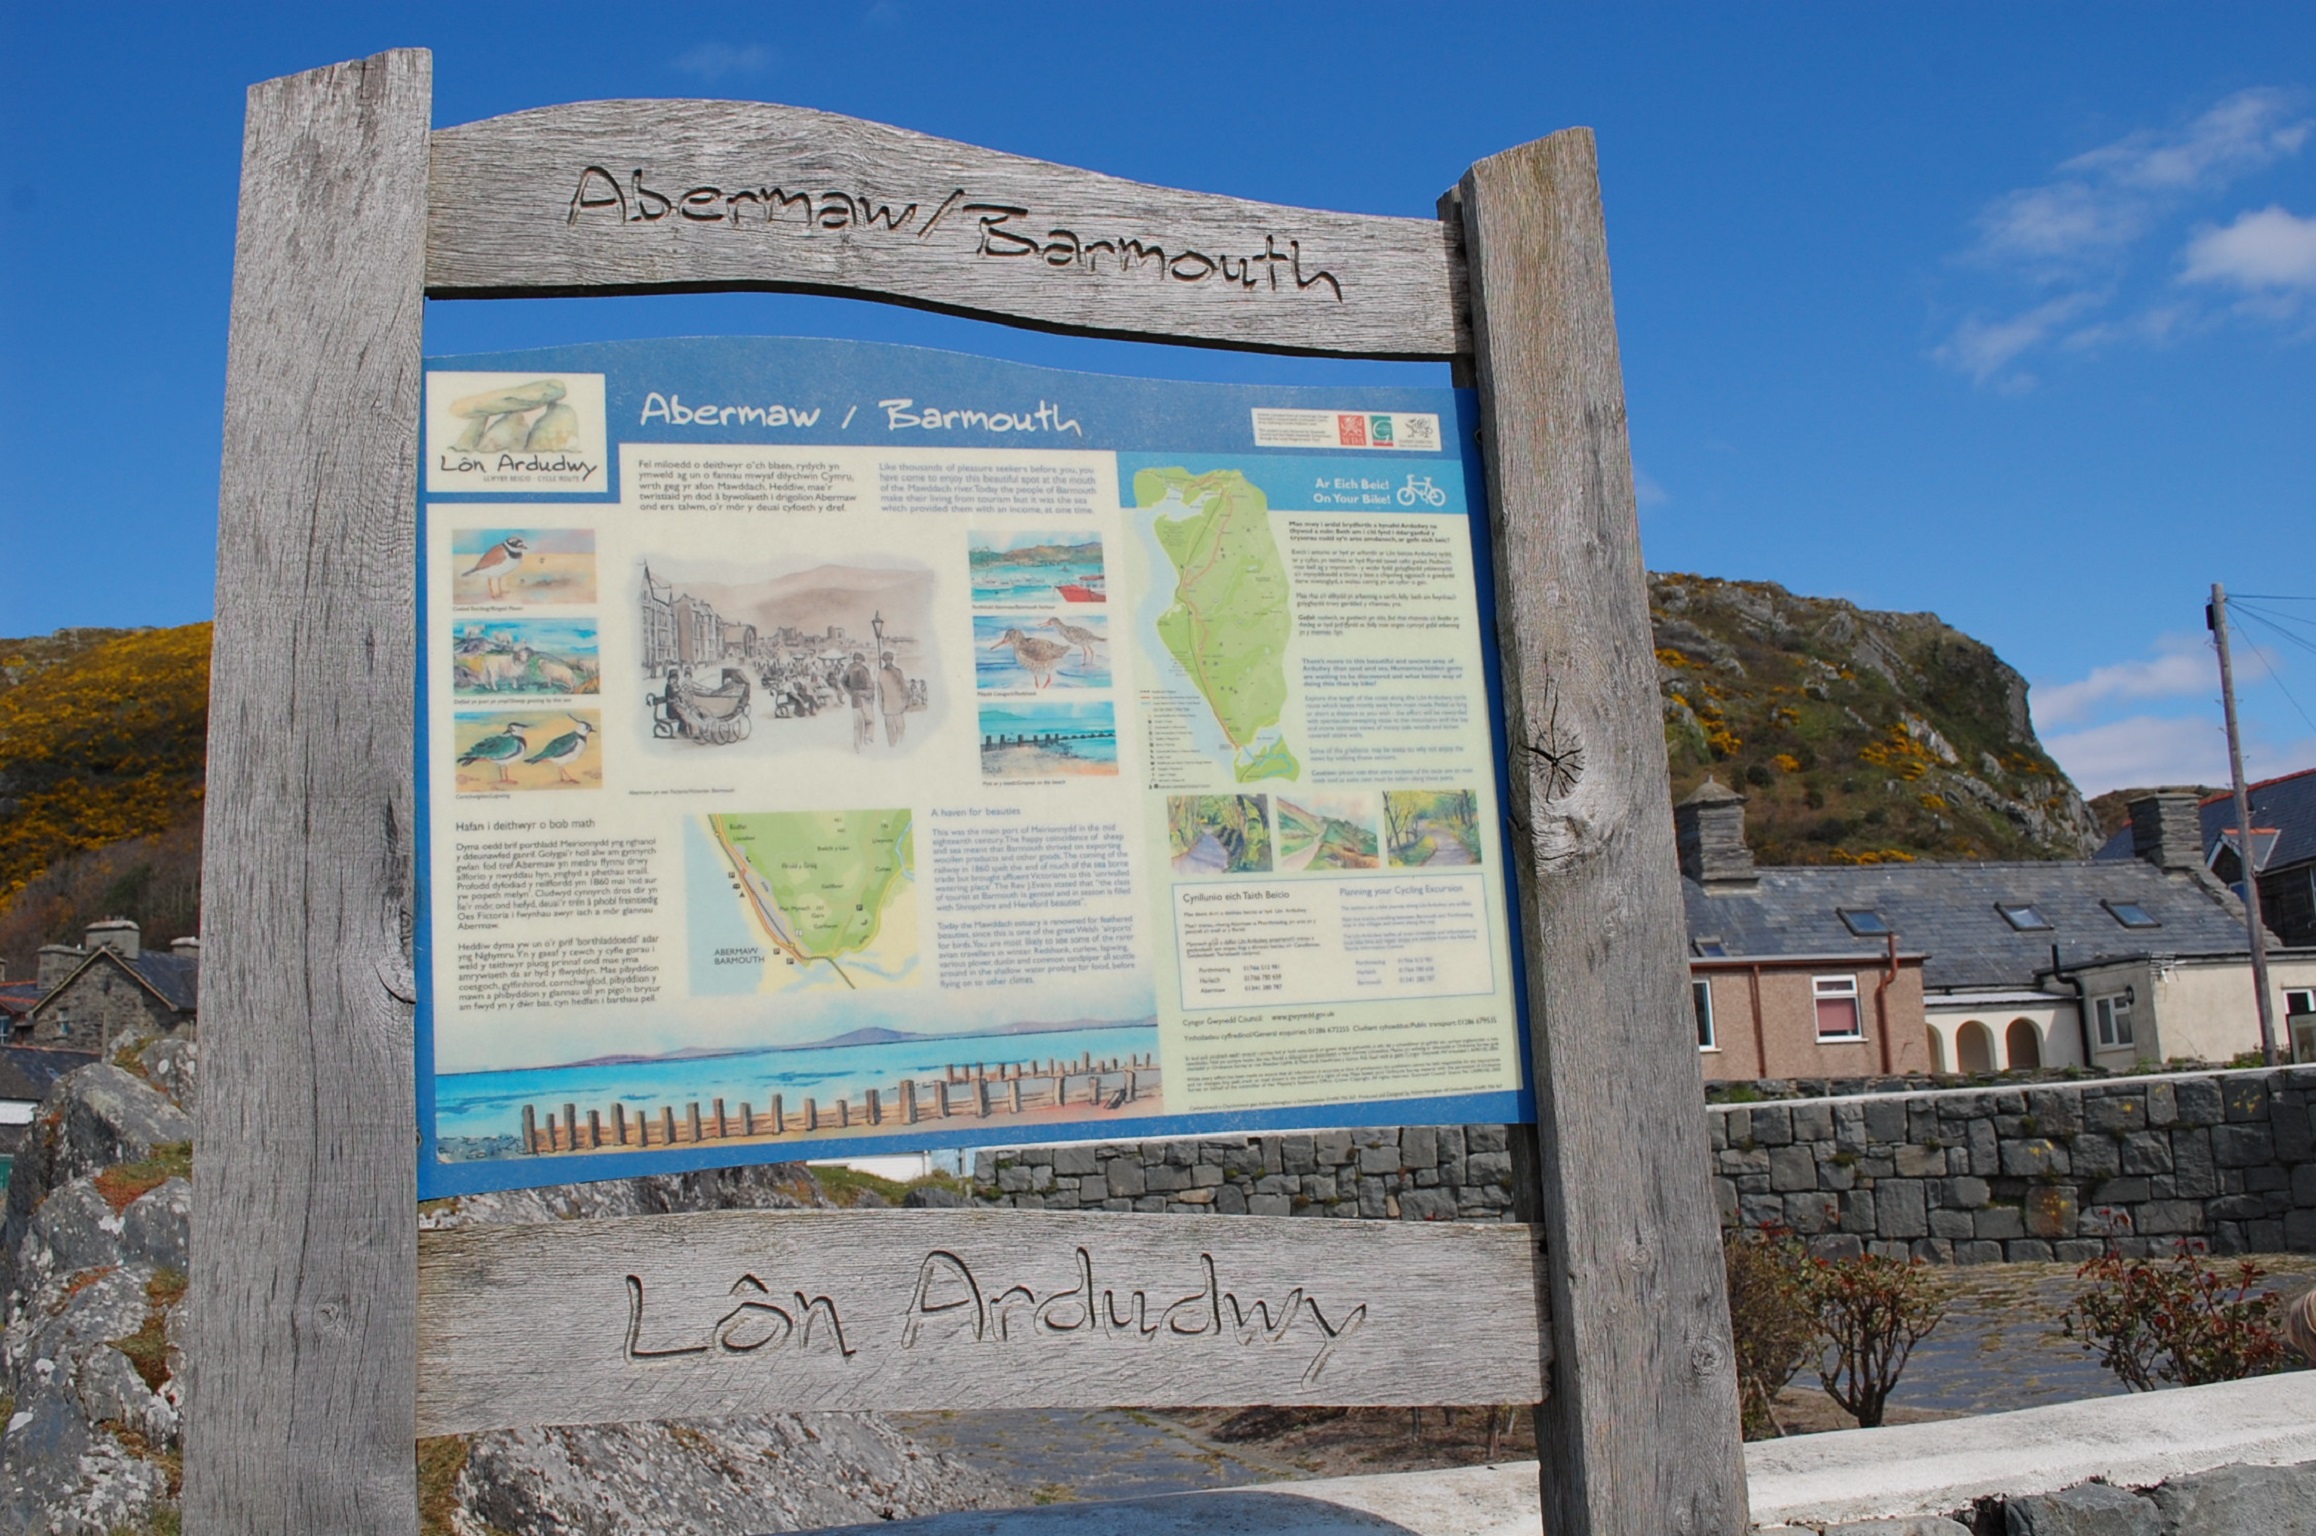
<point>1971,1176</point>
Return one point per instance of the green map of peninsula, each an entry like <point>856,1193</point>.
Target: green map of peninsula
<point>1229,621</point>
<point>819,882</point>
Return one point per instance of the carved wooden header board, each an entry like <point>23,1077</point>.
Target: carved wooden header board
<point>329,1331</point>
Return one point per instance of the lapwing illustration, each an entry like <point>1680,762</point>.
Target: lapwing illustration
<point>1036,657</point>
<point>565,749</point>
<point>498,564</point>
<point>499,749</point>
<point>1078,635</point>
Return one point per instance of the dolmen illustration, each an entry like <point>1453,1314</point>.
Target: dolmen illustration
<point>527,418</point>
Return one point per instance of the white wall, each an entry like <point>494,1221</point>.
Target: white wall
<point>2054,1021</point>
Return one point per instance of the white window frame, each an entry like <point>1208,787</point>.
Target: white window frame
<point>1824,989</point>
<point>1701,1004</point>
<point>2306,1000</point>
<point>2112,1014</point>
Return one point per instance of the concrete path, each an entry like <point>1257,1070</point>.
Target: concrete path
<point>1850,1475</point>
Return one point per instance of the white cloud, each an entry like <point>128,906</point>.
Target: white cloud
<point>1983,348</point>
<point>2142,750</point>
<point>2264,250</point>
<point>2242,133</point>
<point>2080,232</point>
<point>721,61</point>
<point>2182,666</point>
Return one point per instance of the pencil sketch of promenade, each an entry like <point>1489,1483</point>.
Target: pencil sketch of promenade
<point>786,657</point>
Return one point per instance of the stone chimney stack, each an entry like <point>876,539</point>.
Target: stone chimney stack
<point>117,934</point>
<point>185,949</point>
<point>1709,828</point>
<point>2167,830</point>
<point>56,963</point>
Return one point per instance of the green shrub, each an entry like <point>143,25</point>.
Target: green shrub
<point>1771,1319</point>
<point>2184,1321</point>
<point>1871,1312</point>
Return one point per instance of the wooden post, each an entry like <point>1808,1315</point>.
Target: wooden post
<point>1639,1432</point>
<point>692,1115</point>
<point>619,1125</point>
<point>1013,1095</point>
<point>908,1101</point>
<point>747,1119</point>
<point>530,1128</point>
<point>301,1403</point>
<point>779,1116</point>
<point>667,1123</point>
<point>875,1110</point>
<point>721,1129</point>
<point>594,1129</point>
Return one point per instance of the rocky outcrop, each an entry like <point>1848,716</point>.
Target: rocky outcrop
<point>93,1259</point>
<point>1856,736</point>
<point>92,1267</point>
<point>710,1477</point>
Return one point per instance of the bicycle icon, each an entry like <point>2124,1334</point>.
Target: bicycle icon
<point>1420,488</point>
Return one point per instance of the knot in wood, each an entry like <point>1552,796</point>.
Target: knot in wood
<point>1554,749</point>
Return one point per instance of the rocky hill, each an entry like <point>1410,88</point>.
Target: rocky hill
<point>1857,737</point>
<point>102,740</point>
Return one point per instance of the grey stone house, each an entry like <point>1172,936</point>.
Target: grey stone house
<point>92,994</point>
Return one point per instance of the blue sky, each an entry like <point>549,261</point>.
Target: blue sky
<point>2003,312</point>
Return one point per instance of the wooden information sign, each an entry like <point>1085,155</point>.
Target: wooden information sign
<point>329,1332</point>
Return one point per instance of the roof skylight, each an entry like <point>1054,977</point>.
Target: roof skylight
<point>2023,916</point>
<point>2130,914</point>
<point>1865,922</point>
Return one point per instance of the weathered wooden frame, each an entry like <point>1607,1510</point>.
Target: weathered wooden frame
<point>310,1323</point>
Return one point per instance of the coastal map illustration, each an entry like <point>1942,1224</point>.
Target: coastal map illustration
<point>1229,622</point>
<point>829,897</point>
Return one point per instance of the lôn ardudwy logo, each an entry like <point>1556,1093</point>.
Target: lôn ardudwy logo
<point>515,431</point>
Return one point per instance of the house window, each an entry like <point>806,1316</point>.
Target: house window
<point>1837,1007</point>
<point>2114,1016</point>
<point>1864,922</point>
<point>2300,1000</point>
<point>1701,999</point>
<point>1711,947</point>
<point>2023,916</point>
<point>2130,914</point>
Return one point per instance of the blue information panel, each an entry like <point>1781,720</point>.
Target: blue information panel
<point>830,749</point>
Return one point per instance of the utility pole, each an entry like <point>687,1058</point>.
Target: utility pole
<point>2216,617</point>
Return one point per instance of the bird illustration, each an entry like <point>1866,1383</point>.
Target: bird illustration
<point>1037,657</point>
<point>564,749</point>
<point>499,749</point>
<point>1078,635</point>
<point>498,563</point>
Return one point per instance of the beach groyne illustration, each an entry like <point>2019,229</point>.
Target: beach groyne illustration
<point>1031,1090</point>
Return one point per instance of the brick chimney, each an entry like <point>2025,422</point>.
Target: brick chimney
<point>1709,828</point>
<point>2167,830</point>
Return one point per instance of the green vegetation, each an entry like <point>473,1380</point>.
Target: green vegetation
<point>124,1184</point>
<point>1857,1319</point>
<point>1856,737</point>
<point>102,742</point>
<point>847,1186</point>
<point>2184,1321</point>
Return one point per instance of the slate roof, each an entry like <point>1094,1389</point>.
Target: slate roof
<point>26,1071</point>
<point>175,979</point>
<point>2287,804</point>
<point>1948,910</point>
<point>16,1000</point>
